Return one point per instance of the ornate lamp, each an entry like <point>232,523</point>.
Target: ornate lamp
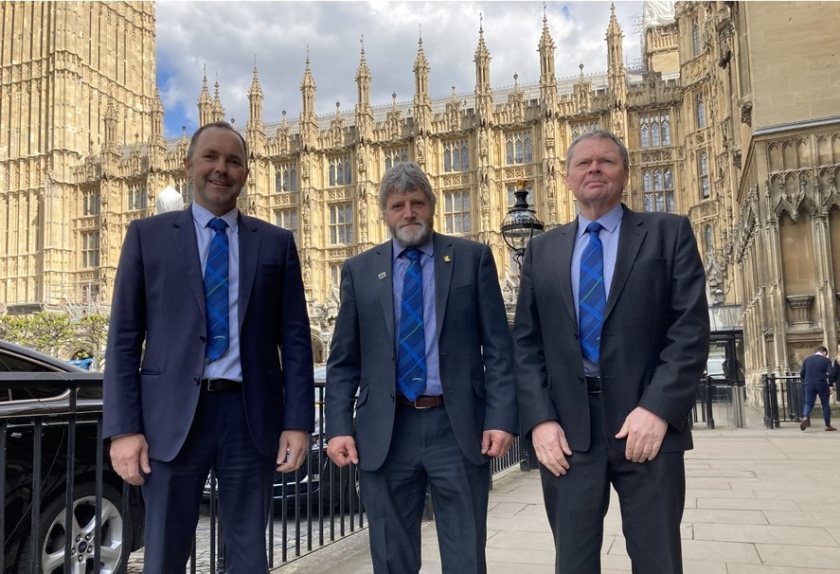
<point>520,224</point>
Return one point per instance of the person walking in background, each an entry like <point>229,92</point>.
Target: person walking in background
<point>815,372</point>
<point>834,379</point>
<point>209,362</point>
<point>422,337</point>
<point>611,338</point>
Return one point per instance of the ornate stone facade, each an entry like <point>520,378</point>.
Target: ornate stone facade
<point>714,129</point>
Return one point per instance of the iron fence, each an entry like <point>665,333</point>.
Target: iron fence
<point>783,397</point>
<point>65,467</point>
<point>720,402</point>
<point>55,481</point>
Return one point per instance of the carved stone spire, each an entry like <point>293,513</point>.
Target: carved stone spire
<point>617,76</point>
<point>483,91</point>
<point>205,105</point>
<point>157,117</point>
<point>218,110</point>
<point>364,111</point>
<point>548,79</point>
<point>308,125</point>
<point>255,99</point>
<point>422,100</point>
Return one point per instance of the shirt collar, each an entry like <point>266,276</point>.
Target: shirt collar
<point>203,216</point>
<point>427,248</point>
<point>610,220</point>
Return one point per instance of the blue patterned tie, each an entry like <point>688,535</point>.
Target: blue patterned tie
<point>216,291</point>
<point>592,296</point>
<point>411,367</point>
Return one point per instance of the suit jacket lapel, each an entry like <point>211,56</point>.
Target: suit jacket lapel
<point>249,254</point>
<point>444,259</point>
<point>383,268</point>
<point>560,273</point>
<point>631,236</point>
<point>183,237</point>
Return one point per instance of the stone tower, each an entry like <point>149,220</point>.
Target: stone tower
<point>77,78</point>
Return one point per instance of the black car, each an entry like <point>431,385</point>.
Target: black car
<point>35,405</point>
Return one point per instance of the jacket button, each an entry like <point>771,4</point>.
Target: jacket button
<point>202,338</point>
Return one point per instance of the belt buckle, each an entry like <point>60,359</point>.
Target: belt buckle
<point>418,407</point>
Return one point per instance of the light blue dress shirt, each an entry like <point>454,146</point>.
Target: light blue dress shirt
<point>228,366</point>
<point>611,223</point>
<point>427,266</point>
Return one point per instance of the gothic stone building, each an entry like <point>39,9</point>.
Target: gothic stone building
<point>731,119</point>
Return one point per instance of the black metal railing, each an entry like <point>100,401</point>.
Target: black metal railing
<point>783,398</point>
<point>54,479</point>
<point>311,516</point>
<point>53,462</point>
<point>720,402</point>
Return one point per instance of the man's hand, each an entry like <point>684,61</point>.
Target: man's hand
<point>130,457</point>
<point>292,450</point>
<point>644,432</point>
<point>342,450</point>
<point>495,443</point>
<point>551,447</point>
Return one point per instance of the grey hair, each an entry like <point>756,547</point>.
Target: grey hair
<point>602,135</point>
<point>404,176</point>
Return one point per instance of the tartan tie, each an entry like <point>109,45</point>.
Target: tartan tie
<point>592,296</point>
<point>411,366</point>
<point>216,291</point>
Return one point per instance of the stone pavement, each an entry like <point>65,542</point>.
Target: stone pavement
<point>758,502</point>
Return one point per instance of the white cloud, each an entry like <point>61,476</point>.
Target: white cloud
<point>227,37</point>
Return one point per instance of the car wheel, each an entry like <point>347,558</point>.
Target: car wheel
<point>114,550</point>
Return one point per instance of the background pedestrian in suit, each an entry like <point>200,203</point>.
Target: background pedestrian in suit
<point>834,379</point>
<point>611,338</point>
<point>209,362</point>
<point>815,372</point>
<point>422,336</point>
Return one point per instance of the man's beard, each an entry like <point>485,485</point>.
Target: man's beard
<point>414,234</point>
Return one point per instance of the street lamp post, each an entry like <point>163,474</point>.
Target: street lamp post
<point>520,224</point>
<point>519,227</point>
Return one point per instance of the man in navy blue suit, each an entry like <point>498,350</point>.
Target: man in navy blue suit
<point>815,372</point>
<point>184,394</point>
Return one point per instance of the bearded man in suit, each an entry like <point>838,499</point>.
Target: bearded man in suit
<point>422,337</point>
<point>611,336</point>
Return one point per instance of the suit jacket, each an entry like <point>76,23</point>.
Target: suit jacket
<point>476,364</point>
<point>159,302</point>
<point>816,370</point>
<point>654,342</point>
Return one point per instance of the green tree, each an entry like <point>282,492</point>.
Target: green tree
<point>53,333</point>
<point>92,331</point>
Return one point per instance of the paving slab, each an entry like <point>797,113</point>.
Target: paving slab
<point>758,502</point>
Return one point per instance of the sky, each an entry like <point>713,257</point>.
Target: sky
<point>228,39</point>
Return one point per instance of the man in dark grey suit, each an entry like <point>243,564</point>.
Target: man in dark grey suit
<point>422,337</point>
<point>610,338</point>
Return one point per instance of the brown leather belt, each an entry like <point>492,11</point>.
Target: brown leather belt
<point>422,402</point>
<point>220,385</point>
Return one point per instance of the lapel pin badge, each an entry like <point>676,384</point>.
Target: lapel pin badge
<point>447,259</point>
<point>383,275</point>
